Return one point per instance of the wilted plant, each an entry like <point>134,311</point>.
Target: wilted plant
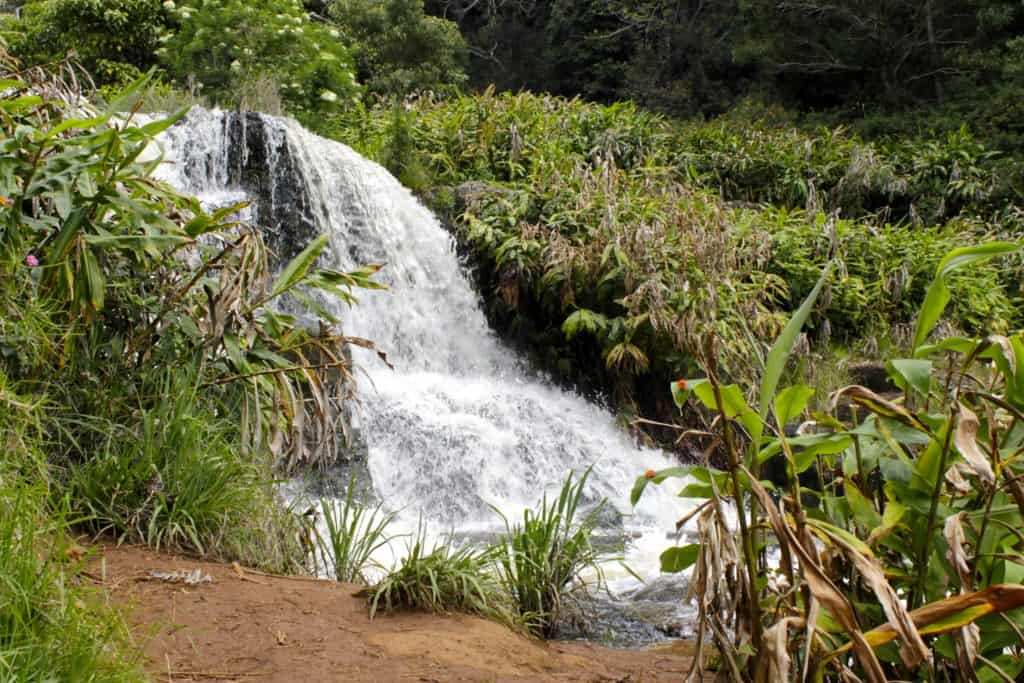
<point>540,559</point>
<point>905,564</point>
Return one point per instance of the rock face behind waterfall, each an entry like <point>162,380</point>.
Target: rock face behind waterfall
<point>247,153</point>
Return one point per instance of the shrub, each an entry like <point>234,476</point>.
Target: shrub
<point>175,480</point>
<point>115,40</point>
<point>539,560</point>
<point>232,45</point>
<point>399,49</point>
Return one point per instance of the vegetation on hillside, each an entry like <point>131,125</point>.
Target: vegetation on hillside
<point>608,240</point>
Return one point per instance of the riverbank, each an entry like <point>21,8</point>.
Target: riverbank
<point>247,626</point>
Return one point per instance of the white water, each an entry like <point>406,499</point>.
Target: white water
<point>459,425</point>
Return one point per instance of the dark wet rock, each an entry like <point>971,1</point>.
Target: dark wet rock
<point>263,167</point>
<point>630,621</point>
<point>872,375</point>
<point>665,588</point>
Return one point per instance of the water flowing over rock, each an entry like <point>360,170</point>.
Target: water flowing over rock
<point>459,424</point>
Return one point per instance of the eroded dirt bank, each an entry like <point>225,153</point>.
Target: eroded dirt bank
<point>244,626</point>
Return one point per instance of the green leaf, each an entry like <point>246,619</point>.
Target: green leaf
<point>298,266</point>
<point>675,560</point>
<point>938,292</point>
<point>863,509</point>
<point>659,477</point>
<point>681,390</point>
<point>893,515</point>
<point>154,128</point>
<point>926,468</point>
<point>94,280</point>
<point>791,402</point>
<point>807,448</point>
<point>931,310</point>
<point>967,255</point>
<point>825,531</point>
<point>584,320</point>
<point>781,349</point>
<point>910,373</point>
<point>120,101</point>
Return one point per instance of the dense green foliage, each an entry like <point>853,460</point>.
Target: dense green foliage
<point>163,390</point>
<point>52,627</point>
<point>115,40</point>
<point>254,53</point>
<point>619,247</point>
<point>399,49</point>
<point>917,511</point>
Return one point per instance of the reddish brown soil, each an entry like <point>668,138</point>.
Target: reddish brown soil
<point>246,627</point>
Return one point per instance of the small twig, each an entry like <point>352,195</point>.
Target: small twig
<point>215,674</point>
<point>280,576</point>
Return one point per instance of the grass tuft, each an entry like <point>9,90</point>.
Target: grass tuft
<point>354,533</point>
<point>539,559</point>
<point>443,579</point>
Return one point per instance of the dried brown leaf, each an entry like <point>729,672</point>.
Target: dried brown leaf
<point>878,405</point>
<point>839,607</point>
<point>967,443</point>
<point>912,648</point>
<point>950,614</point>
<point>955,553</point>
<point>775,662</point>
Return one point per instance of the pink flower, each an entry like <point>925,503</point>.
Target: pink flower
<point>31,261</point>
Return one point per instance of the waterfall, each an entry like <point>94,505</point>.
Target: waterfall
<point>460,424</point>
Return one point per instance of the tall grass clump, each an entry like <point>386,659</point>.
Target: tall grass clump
<point>354,533</point>
<point>539,559</point>
<point>905,563</point>
<point>175,481</point>
<point>441,577</point>
<point>51,626</point>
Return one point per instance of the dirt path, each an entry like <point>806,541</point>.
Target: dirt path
<point>248,627</point>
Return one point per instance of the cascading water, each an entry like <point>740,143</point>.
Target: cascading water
<point>459,424</point>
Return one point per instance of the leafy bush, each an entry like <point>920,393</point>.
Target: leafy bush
<point>903,564</point>
<point>175,481</point>
<point>398,48</point>
<point>540,559</point>
<point>230,45</point>
<point>354,533</point>
<point>115,40</point>
<point>113,281</point>
<point>445,578</point>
